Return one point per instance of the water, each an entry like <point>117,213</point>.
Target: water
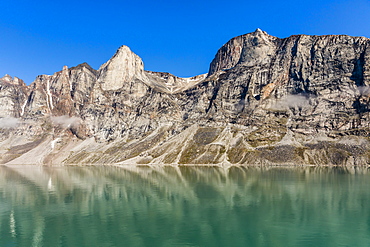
<point>184,206</point>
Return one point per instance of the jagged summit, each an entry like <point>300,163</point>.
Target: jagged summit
<point>241,49</point>
<point>16,81</point>
<point>259,31</point>
<point>7,78</point>
<point>122,68</point>
<point>84,65</point>
<point>256,47</point>
<point>298,100</point>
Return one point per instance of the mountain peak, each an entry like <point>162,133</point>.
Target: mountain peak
<point>7,78</point>
<point>270,101</point>
<point>84,65</point>
<point>258,31</point>
<point>122,68</point>
<point>124,48</point>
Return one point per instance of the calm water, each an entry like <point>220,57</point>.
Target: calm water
<point>184,206</point>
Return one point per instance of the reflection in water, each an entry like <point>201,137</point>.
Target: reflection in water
<point>184,206</point>
<point>12,224</point>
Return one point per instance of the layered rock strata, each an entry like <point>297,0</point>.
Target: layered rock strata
<point>294,101</point>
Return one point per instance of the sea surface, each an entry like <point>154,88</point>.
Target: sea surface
<point>184,206</point>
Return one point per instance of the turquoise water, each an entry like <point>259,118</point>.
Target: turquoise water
<point>184,206</point>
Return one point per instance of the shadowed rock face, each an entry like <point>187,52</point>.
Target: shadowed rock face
<point>299,100</point>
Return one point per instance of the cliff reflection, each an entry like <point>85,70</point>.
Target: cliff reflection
<point>166,206</point>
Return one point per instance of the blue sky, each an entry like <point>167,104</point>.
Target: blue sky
<point>180,37</point>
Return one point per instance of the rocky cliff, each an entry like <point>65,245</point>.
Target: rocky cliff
<point>293,101</point>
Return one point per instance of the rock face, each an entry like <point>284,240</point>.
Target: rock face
<point>293,101</point>
<point>122,68</point>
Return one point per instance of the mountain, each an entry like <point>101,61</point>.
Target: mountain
<point>266,101</point>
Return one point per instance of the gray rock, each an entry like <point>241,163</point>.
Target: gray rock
<point>265,101</point>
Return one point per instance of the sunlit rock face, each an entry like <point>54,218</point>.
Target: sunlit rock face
<point>122,68</point>
<point>13,93</point>
<point>251,49</point>
<point>265,100</point>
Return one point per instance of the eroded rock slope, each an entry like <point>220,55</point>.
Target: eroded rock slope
<point>299,100</point>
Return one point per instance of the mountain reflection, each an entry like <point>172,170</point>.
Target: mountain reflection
<point>183,206</point>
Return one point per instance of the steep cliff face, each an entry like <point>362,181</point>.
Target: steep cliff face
<point>299,100</point>
<point>122,68</point>
<point>13,95</point>
<point>318,79</point>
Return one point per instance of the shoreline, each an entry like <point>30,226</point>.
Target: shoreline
<point>186,165</point>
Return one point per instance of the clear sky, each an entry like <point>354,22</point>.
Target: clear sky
<point>180,37</point>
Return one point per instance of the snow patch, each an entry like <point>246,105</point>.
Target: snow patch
<point>218,143</point>
<point>23,106</point>
<point>49,94</point>
<point>52,143</point>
